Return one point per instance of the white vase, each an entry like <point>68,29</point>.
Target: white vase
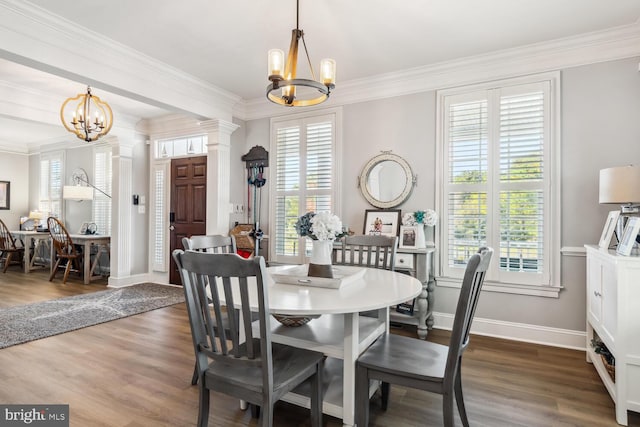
<point>320,261</point>
<point>420,239</point>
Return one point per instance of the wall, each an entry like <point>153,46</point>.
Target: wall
<point>140,221</point>
<point>600,128</point>
<point>13,168</point>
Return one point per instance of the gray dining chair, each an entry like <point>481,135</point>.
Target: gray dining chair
<point>216,244</point>
<point>253,369</point>
<point>425,365</point>
<point>366,251</point>
<point>372,251</point>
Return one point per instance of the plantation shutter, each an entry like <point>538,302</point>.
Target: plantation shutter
<point>496,184</point>
<point>304,179</point>
<point>51,166</point>
<point>102,171</point>
<point>522,182</point>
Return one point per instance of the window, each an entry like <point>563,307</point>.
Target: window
<point>304,153</point>
<point>102,179</point>
<point>496,145</point>
<point>51,167</point>
<point>181,147</point>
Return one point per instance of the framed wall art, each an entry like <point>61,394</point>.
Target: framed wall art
<point>5,195</point>
<point>381,222</point>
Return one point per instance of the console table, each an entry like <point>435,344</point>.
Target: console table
<point>419,264</point>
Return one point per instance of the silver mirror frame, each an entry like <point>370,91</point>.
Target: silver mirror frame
<point>364,179</point>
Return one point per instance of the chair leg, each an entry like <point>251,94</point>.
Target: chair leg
<point>203,413</point>
<point>385,388</point>
<point>54,270</point>
<point>66,271</point>
<point>316,397</point>
<point>7,260</point>
<point>194,379</point>
<point>447,408</point>
<point>362,396</point>
<point>460,398</point>
<point>266,416</point>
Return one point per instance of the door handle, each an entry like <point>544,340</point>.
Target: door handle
<point>171,228</point>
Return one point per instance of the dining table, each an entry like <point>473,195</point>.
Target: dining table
<point>337,328</point>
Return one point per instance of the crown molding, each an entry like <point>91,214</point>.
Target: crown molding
<point>35,37</point>
<point>600,46</point>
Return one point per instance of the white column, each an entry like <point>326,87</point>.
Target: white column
<point>218,174</point>
<point>121,242</point>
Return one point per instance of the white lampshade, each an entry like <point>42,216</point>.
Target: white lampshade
<point>620,185</point>
<point>77,192</point>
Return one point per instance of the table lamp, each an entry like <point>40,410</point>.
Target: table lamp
<point>36,216</point>
<point>621,186</point>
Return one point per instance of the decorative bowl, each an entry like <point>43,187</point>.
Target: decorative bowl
<point>294,321</point>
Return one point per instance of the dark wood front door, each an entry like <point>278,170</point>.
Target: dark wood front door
<point>188,204</point>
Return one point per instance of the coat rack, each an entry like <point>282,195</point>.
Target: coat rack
<point>256,160</point>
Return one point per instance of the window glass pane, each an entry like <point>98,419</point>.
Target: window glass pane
<point>287,213</point>
<point>158,188</point>
<point>288,155</point>
<point>319,152</point>
<point>522,137</point>
<point>521,230</point>
<point>468,130</point>
<point>467,225</point>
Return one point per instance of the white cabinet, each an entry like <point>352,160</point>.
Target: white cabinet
<point>613,316</point>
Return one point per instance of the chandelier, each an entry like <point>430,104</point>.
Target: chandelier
<point>81,109</point>
<point>298,92</point>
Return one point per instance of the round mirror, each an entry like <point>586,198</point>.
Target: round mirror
<point>386,180</point>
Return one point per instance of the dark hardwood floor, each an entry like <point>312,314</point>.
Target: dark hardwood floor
<point>136,371</point>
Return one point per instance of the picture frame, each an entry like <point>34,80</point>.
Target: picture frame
<point>408,237</point>
<point>609,228</point>
<point>83,228</point>
<point>381,222</point>
<point>5,195</point>
<point>629,236</point>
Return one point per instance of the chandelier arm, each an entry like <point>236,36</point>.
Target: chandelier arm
<point>304,44</point>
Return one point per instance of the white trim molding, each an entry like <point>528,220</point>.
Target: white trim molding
<point>534,334</point>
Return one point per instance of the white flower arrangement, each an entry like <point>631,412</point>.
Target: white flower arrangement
<point>428,217</point>
<point>320,226</point>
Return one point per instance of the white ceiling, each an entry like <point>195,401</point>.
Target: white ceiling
<point>225,43</point>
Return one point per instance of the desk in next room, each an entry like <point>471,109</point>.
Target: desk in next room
<point>38,240</point>
<point>103,243</point>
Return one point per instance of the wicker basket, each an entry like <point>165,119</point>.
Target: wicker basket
<point>611,369</point>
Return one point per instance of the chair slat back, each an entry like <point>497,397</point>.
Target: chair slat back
<point>7,242</point>
<point>217,244</point>
<point>235,282</point>
<point>467,302</point>
<point>62,242</point>
<point>367,251</point>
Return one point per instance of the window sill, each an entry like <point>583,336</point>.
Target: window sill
<point>507,288</point>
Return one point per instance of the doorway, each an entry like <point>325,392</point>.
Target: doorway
<point>188,210</point>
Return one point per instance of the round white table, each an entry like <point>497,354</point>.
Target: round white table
<point>340,332</point>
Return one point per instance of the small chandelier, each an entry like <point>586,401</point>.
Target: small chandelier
<point>82,124</point>
<point>288,82</point>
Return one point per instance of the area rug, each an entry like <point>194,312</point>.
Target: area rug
<point>43,319</point>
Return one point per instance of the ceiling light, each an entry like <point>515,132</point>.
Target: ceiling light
<point>283,75</point>
<point>91,118</point>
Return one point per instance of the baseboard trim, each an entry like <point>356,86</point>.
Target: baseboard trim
<point>534,334</point>
<point>121,282</point>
